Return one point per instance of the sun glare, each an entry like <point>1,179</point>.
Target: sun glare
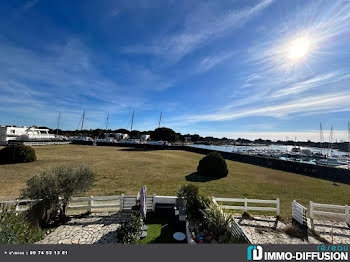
<point>298,48</point>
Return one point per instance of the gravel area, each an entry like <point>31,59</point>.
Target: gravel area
<point>333,232</point>
<point>268,230</point>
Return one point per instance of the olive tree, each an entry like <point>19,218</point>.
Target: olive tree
<point>49,185</point>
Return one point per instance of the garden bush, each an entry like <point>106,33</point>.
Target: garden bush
<point>219,224</point>
<point>17,153</point>
<point>14,229</point>
<point>193,201</point>
<point>130,231</point>
<point>213,165</point>
<point>49,186</point>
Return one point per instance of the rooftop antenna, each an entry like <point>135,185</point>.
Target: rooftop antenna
<point>82,121</point>
<point>160,119</point>
<point>58,122</point>
<point>132,120</point>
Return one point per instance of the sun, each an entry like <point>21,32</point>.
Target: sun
<point>298,49</point>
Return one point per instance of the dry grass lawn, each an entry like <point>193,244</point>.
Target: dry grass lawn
<point>125,170</point>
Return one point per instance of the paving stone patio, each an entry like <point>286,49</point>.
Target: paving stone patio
<point>97,228</point>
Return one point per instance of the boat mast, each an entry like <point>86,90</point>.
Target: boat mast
<point>348,137</point>
<point>107,124</point>
<point>331,141</point>
<point>132,120</point>
<point>321,137</point>
<point>160,119</point>
<point>58,122</point>
<point>82,121</point>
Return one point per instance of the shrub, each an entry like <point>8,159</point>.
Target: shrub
<point>213,165</point>
<point>49,186</point>
<point>17,153</point>
<point>14,229</point>
<point>193,201</point>
<point>130,231</point>
<point>217,222</point>
<point>247,215</point>
<point>295,232</point>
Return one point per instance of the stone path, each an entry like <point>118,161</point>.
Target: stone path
<point>267,230</point>
<point>97,228</point>
<point>333,232</point>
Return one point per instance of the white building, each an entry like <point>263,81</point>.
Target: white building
<point>118,136</point>
<point>188,139</point>
<point>145,137</point>
<point>24,133</point>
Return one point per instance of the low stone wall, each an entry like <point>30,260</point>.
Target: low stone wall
<point>328,173</point>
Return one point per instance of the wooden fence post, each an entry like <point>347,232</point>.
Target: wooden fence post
<point>245,205</point>
<point>90,203</point>
<point>347,214</point>
<point>121,202</point>
<point>278,206</point>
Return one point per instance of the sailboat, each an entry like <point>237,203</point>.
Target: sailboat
<point>130,141</point>
<point>81,137</point>
<point>106,139</point>
<point>59,137</point>
<point>330,159</point>
<point>320,155</point>
<point>159,143</point>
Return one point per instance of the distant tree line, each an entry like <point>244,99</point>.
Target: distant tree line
<point>167,134</point>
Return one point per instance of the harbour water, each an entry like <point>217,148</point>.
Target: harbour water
<point>264,148</point>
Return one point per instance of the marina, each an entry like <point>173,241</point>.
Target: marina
<point>310,155</point>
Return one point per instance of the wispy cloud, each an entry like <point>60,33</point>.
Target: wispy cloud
<point>27,5</point>
<point>209,62</point>
<point>315,104</point>
<point>196,34</point>
<point>60,78</point>
<point>281,89</point>
<point>310,84</point>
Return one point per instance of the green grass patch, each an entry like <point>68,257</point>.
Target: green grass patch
<point>164,171</point>
<point>160,229</point>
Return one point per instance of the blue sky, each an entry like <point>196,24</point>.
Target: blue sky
<point>220,68</point>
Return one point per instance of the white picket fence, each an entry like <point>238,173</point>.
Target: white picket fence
<point>247,207</point>
<point>236,229</point>
<point>299,213</point>
<point>338,211</point>
<point>97,202</point>
<point>20,205</point>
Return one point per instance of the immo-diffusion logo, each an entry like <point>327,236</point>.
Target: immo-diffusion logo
<point>255,253</point>
<point>322,253</point>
